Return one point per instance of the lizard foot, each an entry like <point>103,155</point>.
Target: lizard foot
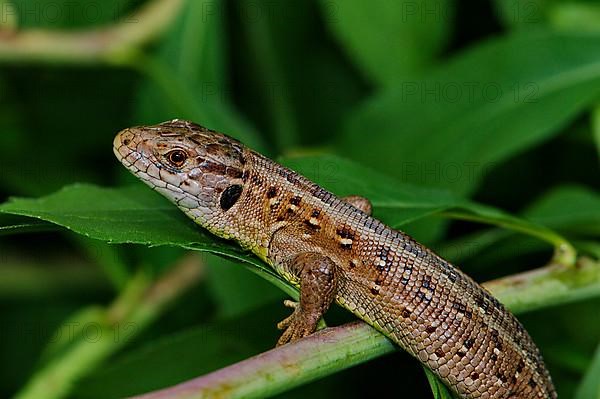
<point>298,325</point>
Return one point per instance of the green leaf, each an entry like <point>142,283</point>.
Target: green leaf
<point>10,224</point>
<point>485,105</point>
<point>575,16</point>
<point>439,390</point>
<point>569,209</point>
<point>596,127</point>
<point>522,14</point>
<point>590,384</point>
<point>401,36</point>
<point>294,98</point>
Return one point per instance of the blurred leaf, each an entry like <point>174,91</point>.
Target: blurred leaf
<point>569,209</point>
<point>266,64</point>
<point>590,385</point>
<point>439,390</point>
<point>390,39</point>
<point>295,98</point>
<point>575,16</point>
<point>187,76</point>
<point>479,109</point>
<point>522,14</point>
<point>236,290</point>
<point>596,128</point>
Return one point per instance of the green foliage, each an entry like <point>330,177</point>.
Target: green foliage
<point>438,111</point>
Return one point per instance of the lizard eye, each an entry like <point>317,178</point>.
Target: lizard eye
<point>177,158</point>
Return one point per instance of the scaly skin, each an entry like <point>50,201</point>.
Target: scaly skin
<point>332,249</point>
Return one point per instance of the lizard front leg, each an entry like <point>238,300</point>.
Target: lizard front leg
<point>318,285</point>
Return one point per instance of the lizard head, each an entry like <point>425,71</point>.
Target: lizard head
<point>200,170</point>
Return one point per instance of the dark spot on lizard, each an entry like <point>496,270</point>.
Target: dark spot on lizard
<point>313,226</point>
<point>430,329</point>
<point>316,213</point>
<point>469,343</point>
<point>295,200</point>
<point>520,366</point>
<point>375,290</point>
<point>440,353</point>
<point>345,233</point>
<point>347,238</point>
<point>272,192</point>
<point>475,376</point>
<point>405,313</point>
<point>230,196</point>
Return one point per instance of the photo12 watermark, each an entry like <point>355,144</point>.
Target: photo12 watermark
<point>469,92</point>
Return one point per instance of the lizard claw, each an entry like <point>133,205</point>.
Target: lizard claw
<point>291,304</point>
<point>297,325</point>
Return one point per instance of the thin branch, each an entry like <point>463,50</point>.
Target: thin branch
<point>334,349</point>
<point>112,44</point>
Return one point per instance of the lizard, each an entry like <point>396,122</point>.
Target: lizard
<point>333,250</point>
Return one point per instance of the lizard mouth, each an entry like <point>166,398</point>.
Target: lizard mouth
<point>130,150</point>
